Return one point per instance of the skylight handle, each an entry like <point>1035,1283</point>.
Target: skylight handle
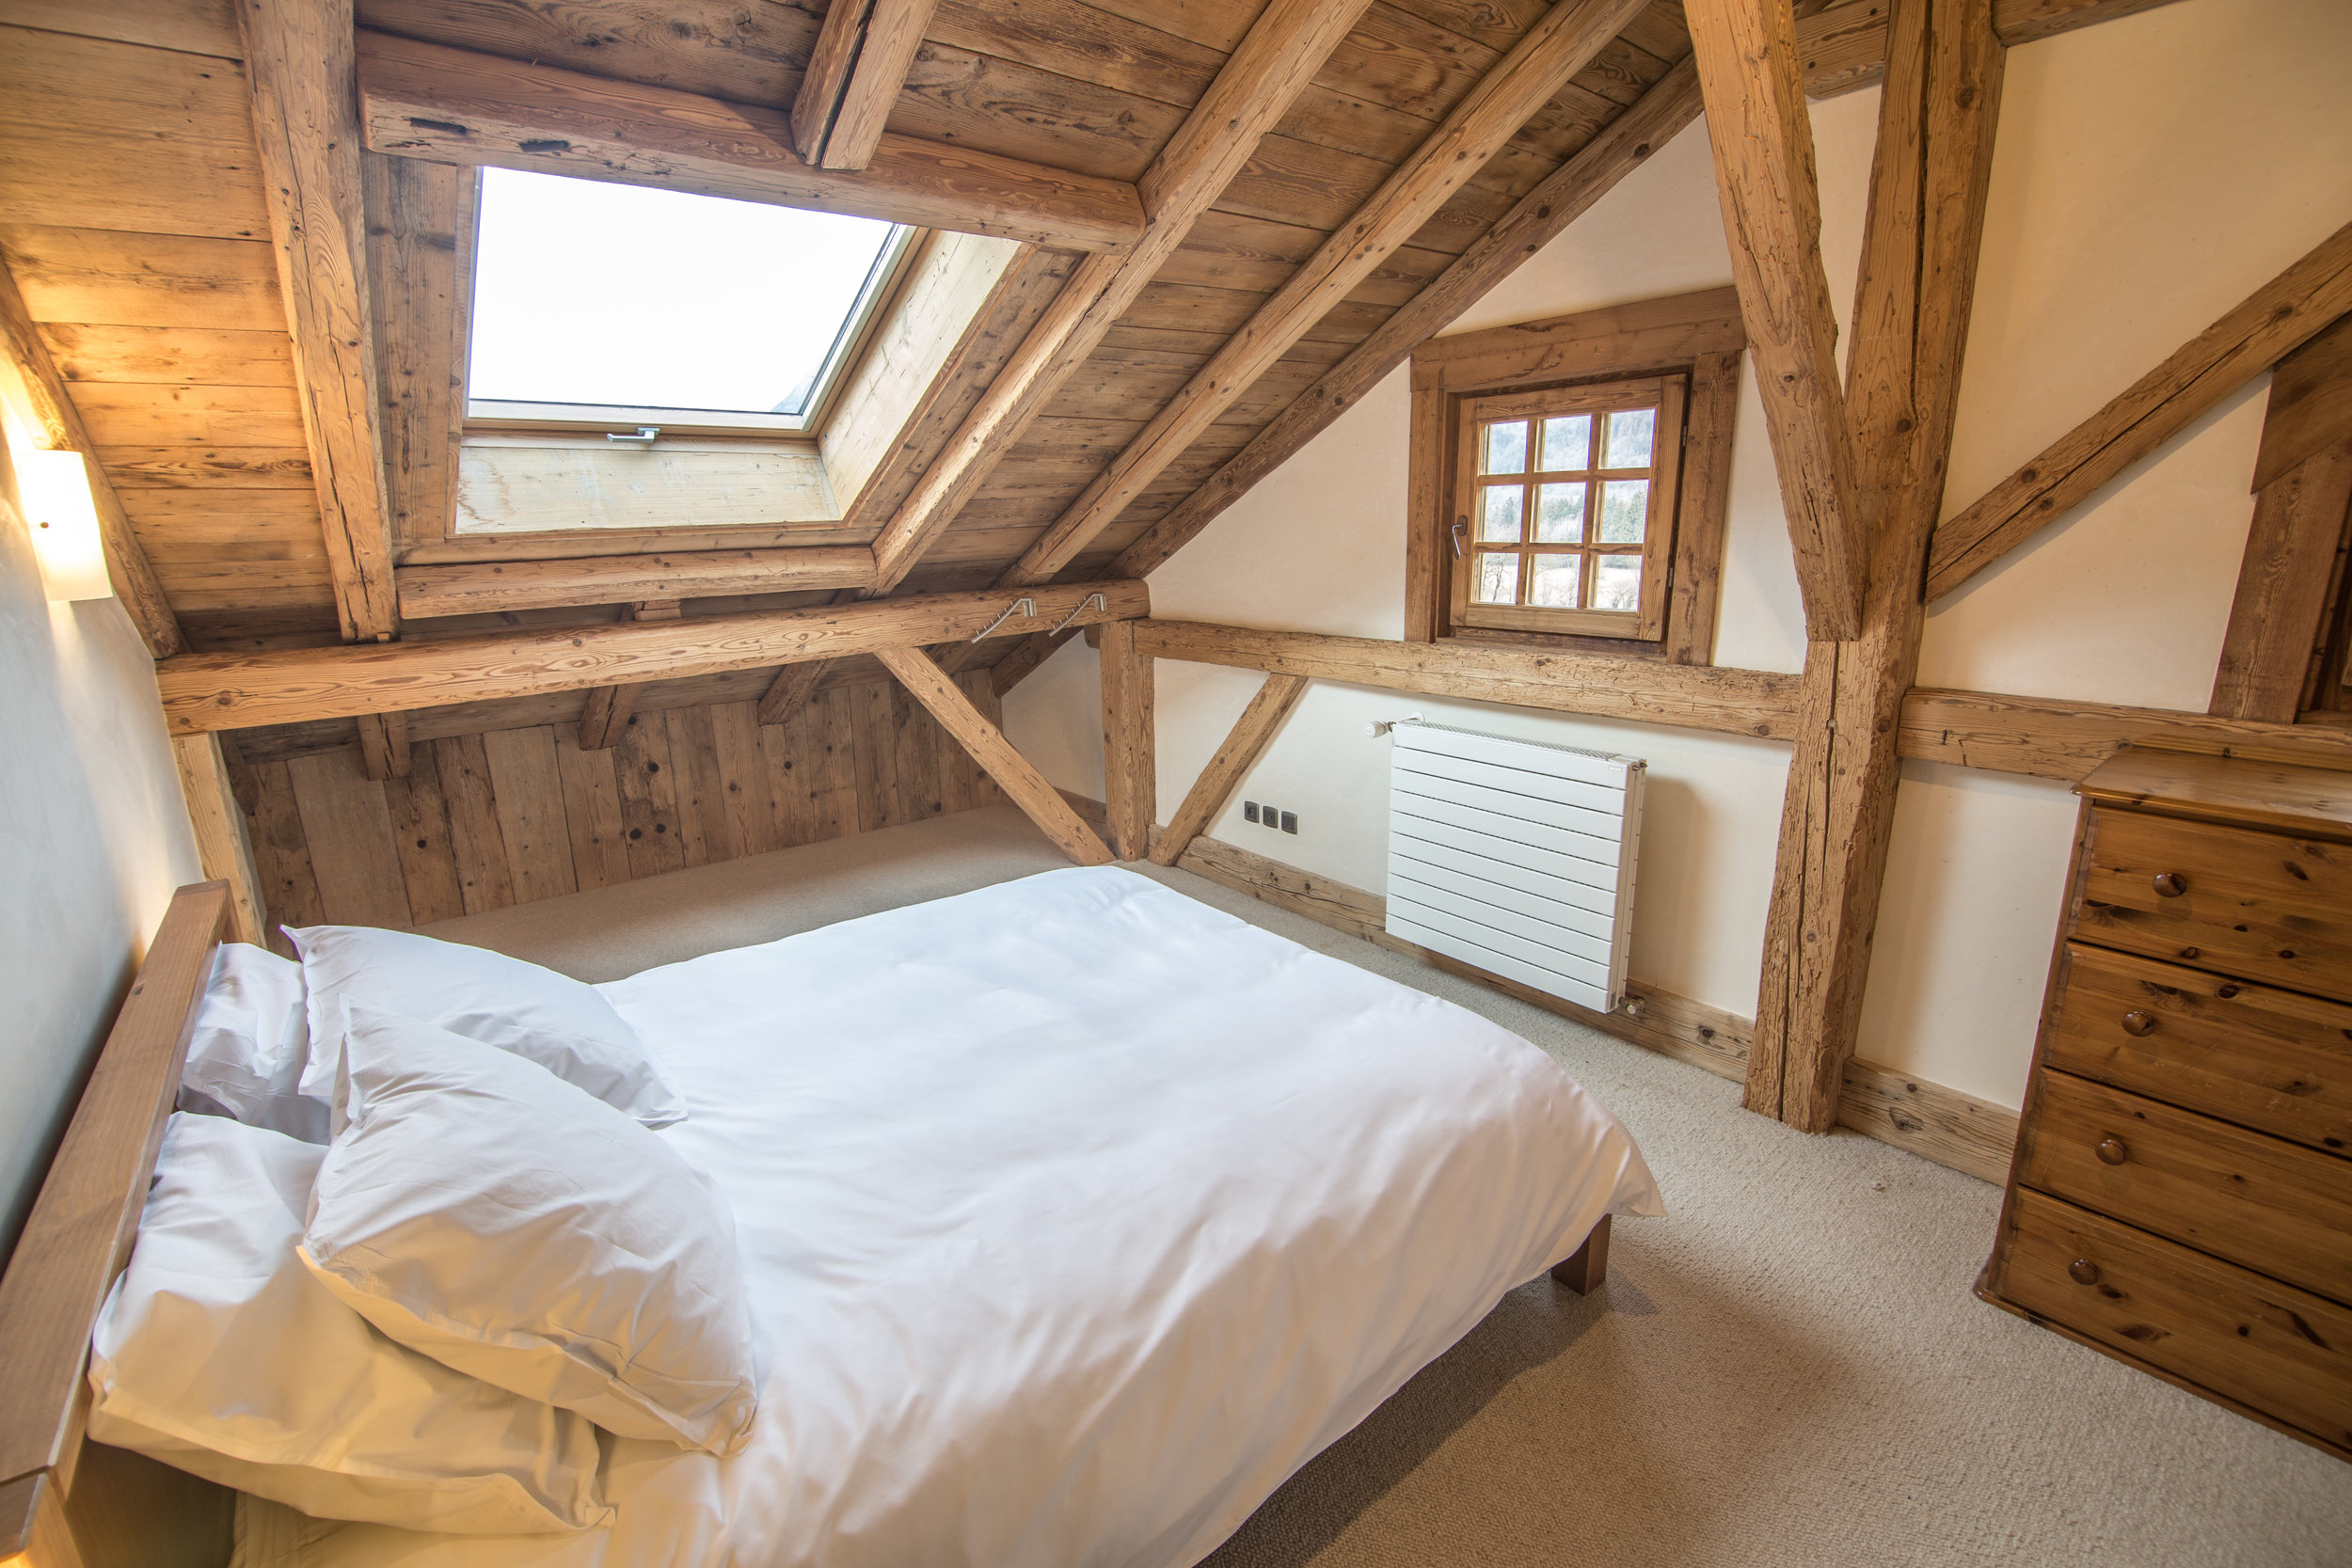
<point>645,433</point>
<point>1023,605</point>
<point>1095,599</point>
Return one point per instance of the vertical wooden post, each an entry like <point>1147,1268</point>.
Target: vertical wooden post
<point>222,846</point>
<point>384,745</point>
<point>1129,771</point>
<point>1928,183</point>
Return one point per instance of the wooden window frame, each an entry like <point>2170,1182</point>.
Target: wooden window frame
<point>1647,620</point>
<point>1690,345</point>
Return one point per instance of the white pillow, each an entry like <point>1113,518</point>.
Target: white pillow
<point>218,1353</point>
<point>548,1018</point>
<point>251,1043</point>
<point>496,1218</point>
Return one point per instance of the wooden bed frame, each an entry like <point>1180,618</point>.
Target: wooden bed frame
<point>66,1502</point>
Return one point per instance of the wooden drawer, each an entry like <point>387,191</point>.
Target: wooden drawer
<point>2281,1351</point>
<point>2271,1205</point>
<point>2262,1058</point>
<point>2266,906</point>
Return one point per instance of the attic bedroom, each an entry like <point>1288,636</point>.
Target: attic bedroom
<point>921,782</point>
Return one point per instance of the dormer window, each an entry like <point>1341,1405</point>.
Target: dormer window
<point>615,307</point>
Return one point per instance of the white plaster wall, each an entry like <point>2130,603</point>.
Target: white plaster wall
<point>2150,173</point>
<point>93,837</point>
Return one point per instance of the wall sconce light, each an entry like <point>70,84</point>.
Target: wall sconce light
<point>64,519</point>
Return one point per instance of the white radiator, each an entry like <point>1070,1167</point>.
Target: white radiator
<point>1515,856</point>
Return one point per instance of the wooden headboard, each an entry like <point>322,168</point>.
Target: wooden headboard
<point>66,1502</point>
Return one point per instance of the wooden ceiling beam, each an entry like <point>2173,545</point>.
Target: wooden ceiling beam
<point>1028,788</point>
<point>2273,322</point>
<point>1548,209</point>
<point>305,121</point>
<point>854,78</point>
<point>1281,55</point>
<point>59,428</point>
<point>1844,47</point>
<point>495,587</point>
<point>1762,139</point>
<point>1553,50</point>
<point>456,106</point>
<point>1758,702</point>
<point>238,691</point>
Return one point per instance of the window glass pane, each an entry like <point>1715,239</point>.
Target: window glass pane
<point>1623,509</point>
<point>1499,514</point>
<point>1497,580</point>
<point>1569,444</point>
<point>589,293</point>
<point>1506,448</point>
<point>1557,581</point>
<point>1560,514</point>
<point>1631,433</point>
<point>1618,582</point>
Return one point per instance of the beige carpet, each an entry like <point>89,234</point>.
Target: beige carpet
<point>1789,1368</point>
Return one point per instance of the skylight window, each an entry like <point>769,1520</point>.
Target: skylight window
<point>596,302</point>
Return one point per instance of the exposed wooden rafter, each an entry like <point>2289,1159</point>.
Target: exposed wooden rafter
<point>1929,179</point>
<point>1027,788</point>
<point>299,59</point>
<point>2274,321</point>
<point>455,106</point>
<point>1539,217</point>
<point>853,78</point>
<point>1553,50</point>
<point>1762,139</point>
<point>236,690</point>
<point>1259,81</point>
<point>59,428</point>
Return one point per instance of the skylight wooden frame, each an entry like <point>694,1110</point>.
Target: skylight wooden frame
<point>883,281</point>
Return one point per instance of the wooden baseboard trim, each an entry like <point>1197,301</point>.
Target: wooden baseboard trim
<point>1927,1120</point>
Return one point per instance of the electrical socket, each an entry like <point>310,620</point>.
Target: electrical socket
<point>1290,822</point>
<point>1249,811</point>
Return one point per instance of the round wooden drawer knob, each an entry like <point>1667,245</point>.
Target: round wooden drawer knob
<point>2139,1023</point>
<point>2082,1271</point>
<point>2171,884</point>
<point>2113,1151</point>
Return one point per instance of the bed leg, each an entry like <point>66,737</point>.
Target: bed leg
<point>1588,1266</point>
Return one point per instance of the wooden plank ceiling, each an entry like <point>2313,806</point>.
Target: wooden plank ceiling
<point>131,214</point>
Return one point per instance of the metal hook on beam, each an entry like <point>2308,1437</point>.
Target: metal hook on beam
<point>1095,599</point>
<point>1023,605</point>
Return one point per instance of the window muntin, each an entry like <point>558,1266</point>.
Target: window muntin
<point>1564,509</point>
<point>608,307</point>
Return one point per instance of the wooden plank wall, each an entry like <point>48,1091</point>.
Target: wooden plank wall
<point>489,819</point>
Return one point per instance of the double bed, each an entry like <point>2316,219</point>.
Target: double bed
<point>1074,1217</point>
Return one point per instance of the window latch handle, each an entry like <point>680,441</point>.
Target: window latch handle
<point>1459,530</point>
<point>645,433</point>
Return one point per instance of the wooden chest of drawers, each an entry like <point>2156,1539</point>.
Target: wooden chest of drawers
<point>2182,1196</point>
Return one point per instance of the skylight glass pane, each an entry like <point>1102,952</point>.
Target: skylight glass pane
<point>587,292</point>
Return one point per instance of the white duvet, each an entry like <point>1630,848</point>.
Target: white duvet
<point>1076,1216</point>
